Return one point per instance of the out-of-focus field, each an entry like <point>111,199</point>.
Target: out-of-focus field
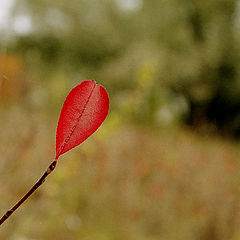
<point>125,182</point>
<point>165,165</point>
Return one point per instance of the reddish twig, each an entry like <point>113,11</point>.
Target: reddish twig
<point>29,193</point>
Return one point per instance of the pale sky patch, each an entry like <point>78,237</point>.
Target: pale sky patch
<point>5,8</point>
<point>129,5</point>
<point>22,24</point>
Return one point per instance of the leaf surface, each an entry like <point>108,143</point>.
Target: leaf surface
<point>83,111</point>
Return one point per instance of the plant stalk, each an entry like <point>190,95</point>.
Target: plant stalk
<point>29,193</point>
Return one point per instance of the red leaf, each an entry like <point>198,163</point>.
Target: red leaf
<point>83,111</point>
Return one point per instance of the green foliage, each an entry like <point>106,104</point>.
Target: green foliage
<point>182,50</point>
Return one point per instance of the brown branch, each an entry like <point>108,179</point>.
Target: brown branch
<point>29,193</point>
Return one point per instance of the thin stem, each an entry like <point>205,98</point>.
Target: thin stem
<point>29,193</point>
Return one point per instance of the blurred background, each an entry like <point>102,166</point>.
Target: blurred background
<point>166,162</point>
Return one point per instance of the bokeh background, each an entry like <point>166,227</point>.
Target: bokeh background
<point>166,162</point>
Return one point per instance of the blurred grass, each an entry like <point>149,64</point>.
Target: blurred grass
<point>144,175</point>
<point>125,182</point>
